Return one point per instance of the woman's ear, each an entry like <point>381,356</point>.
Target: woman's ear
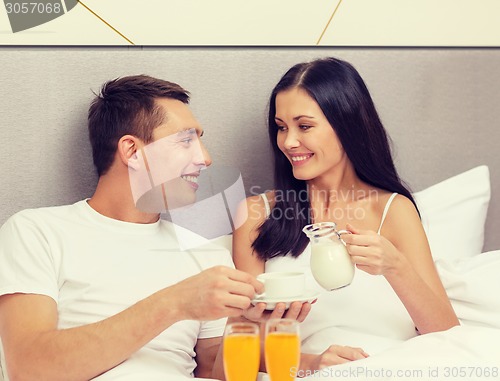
<point>128,146</point>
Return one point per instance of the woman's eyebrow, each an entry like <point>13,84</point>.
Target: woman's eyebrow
<point>296,117</point>
<point>303,116</point>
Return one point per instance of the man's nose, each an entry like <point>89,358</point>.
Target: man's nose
<point>204,157</point>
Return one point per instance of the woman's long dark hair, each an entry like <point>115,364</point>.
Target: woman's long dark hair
<point>343,97</point>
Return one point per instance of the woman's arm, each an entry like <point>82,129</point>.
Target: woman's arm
<point>402,254</point>
<point>251,215</point>
<point>253,212</point>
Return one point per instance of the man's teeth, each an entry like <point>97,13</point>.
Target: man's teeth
<point>300,158</point>
<point>191,179</point>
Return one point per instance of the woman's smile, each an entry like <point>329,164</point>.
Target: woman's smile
<point>300,158</point>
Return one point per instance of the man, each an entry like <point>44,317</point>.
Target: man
<point>100,289</point>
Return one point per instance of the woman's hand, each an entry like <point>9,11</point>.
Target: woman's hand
<point>372,252</point>
<point>334,355</point>
<point>297,311</point>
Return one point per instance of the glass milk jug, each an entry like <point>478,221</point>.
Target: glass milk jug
<point>331,265</point>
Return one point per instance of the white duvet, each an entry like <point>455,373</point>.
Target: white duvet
<point>461,353</point>
<point>467,352</point>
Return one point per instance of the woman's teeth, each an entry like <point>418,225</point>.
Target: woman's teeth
<point>300,158</point>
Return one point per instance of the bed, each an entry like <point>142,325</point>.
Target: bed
<point>470,351</point>
<point>439,106</point>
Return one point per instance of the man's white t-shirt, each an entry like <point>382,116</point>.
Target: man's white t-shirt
<point>95,267</point>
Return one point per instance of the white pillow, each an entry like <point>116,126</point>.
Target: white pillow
<point>454,213</point>
<point>472,284</point>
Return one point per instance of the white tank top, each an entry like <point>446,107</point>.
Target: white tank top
<point>368,313</point>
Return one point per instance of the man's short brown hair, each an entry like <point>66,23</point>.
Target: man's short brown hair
<point>127,106</point>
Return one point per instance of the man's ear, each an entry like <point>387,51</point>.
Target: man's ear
<point>128,146</point>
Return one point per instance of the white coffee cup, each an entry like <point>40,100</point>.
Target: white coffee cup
<point>282,285</point>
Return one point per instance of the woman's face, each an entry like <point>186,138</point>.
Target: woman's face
<point>305,136</point>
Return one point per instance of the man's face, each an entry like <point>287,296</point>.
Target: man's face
<point>171,163</point>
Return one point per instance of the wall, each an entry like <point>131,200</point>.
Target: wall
<point>440,107</point>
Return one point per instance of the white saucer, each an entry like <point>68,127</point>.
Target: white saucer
<point>308,296</point>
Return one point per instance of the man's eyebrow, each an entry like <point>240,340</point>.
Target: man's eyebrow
<point>191,130</point>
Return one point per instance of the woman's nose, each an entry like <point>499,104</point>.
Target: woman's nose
<point>291,140</point>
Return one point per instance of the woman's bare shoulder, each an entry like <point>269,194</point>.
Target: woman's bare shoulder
<point>253,209</point>
<point>403,206</point>
<point>402,221</point>
<point>380,198</point>
<point>259,198</point>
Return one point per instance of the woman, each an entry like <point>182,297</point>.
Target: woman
<point>333,163</point>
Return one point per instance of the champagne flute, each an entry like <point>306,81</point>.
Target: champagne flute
<point>241,351</point>
<point>282,349</point>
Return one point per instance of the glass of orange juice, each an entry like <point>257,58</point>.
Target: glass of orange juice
<point>241,351</point>
<point>282,349</point>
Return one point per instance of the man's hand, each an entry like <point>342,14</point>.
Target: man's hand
<point>215,293</point>
<point>84,352</point>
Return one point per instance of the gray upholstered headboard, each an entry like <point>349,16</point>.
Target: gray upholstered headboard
<point>439,105</point>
